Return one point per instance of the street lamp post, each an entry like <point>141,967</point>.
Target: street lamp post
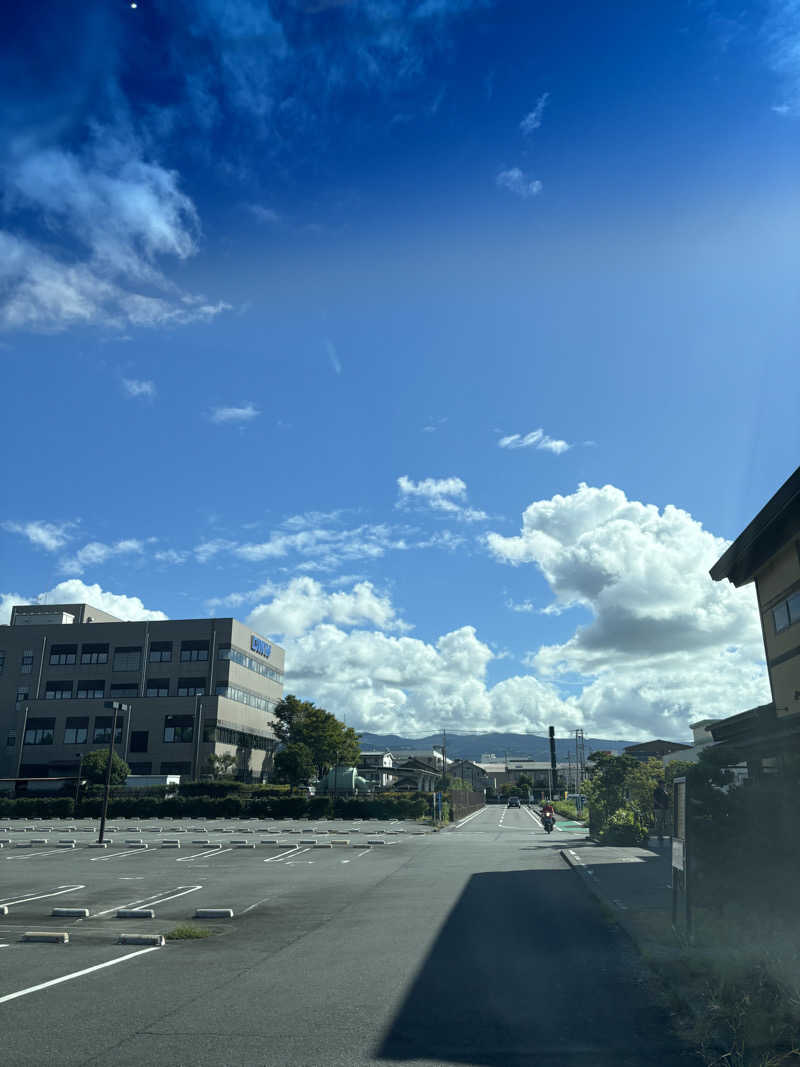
<point>78,783</point>
<point>116,707</point>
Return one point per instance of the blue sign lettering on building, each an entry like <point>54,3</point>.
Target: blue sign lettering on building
<point>259,645</point>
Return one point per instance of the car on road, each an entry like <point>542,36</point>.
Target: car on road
<point>513,802</point>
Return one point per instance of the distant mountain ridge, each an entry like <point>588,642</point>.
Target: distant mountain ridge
<point>473,746</point>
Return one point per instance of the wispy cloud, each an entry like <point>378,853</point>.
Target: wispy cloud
<point>109,215</point>
<point>263,214</point>
<point>446,495</point>
<point>135,387</point>
<point>96,552</point>
<point>47,535</point>
<point>171,556</point>
<point>208,549</point>
<point>523,608</point>
<point>434,423</point>
<point>534,439</point>
<point>333,355</point>
<point>244,413</point>
<point>533,120</point>
<point>515,181</point>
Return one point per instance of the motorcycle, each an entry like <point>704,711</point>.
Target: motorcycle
<point>548,822</point>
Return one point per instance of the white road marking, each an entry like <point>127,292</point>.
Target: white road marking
<point>122,855</point>
<point>147,901</point>
<point>35,855</point>
<point>254,905</point>
<point>282,855</point>
<point>4,946</point>
<point>535,818</point>
<point>366,850</point>
<point>199,855</point>
<point>461,822</point>
<point>60,892</point>
<point>75,974</point>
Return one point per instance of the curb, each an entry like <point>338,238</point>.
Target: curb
<point>593,886</point>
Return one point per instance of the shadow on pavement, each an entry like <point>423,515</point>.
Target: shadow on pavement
<point>526,970</point>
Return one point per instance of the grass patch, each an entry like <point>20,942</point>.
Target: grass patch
<point>187,933</point>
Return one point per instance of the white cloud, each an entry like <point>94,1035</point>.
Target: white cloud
<point>439,494</point>
<point>208,549</point>
<point>264,214</point>
<point>135,387</point>
<point>533,120</point>
<point>47,535</point>
<point>108,217</point>
<point>524,608</point>
<point>658,651</point>
<point>303,604</point>
<point>515,181</point>
<point>333,356</point>
<point>329,546</point>
<point>96,552</point>
<point>73,591</point>
<point>171,556</point>
<point>534,439</point>
<point>244,413</point>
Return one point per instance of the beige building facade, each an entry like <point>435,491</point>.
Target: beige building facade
<point>192,687</point>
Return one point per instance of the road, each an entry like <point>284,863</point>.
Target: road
<point>476,946</point>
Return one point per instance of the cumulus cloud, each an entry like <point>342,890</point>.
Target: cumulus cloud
<point>96,552</point>
<point>666,644</point>
<point>244,413</point>
<point>74,591</point>
<point>304,603</point>
<point>48,535</point>
<point>135,387</point>
<point>447,495</point>
<point>517,182</point>
<point>533,120</point>
<point>534,439</point>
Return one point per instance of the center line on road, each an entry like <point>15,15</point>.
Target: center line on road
<point>76,974</point>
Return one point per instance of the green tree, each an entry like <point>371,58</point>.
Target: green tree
<point>329,741</point>
<point>94,765</point>
<point>525,782</point>
<point>294,764</point>
<point>221,766</point>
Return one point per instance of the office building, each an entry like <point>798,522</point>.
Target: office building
<point>193,687</point>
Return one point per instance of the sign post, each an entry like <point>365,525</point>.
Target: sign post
<point>680,873</point>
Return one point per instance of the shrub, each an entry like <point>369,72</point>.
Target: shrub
<point>623,828</point>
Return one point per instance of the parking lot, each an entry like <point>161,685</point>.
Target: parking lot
<point>167,871</point>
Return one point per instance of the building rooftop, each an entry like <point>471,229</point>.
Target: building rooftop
<point>775,524</point>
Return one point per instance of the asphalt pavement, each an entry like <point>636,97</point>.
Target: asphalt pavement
<point>477,945</point>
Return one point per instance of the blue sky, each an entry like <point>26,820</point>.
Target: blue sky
<point>321,313</point>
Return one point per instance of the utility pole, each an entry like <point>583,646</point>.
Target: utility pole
<point>553,766</point>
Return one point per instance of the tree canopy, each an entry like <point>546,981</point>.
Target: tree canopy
<point>329,741</point>
<point>93,768</point>
<point>294,764</point>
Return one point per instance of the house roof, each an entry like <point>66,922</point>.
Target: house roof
<point>776,523</point>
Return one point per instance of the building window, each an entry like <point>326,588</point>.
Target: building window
<point>178,728</point>
<point>181,767</point>
<point>127,659</point>
<point>793,604</point>
<point>160,652</point>
<point>91,690</point>
<point>194,651</point>
<point>139,740</point>
<point>63,655</point>
<point>23,694</point>
<point>40,731</point>
<point>2,661</point>
<point>94,653</point>
<point>26,662</point>
<point>124,689</point>
<point>242,696</point>
<point>225,735</point>
<point>58,691</point>
<point>141,768</point>
<point>191,687</point>
<point>76,730</point>
<point>102,729</point>
<point>11,739</point>
<point>240,657</point>
<point>157,687</point>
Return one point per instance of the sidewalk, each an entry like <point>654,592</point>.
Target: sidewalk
<point>634,884</point>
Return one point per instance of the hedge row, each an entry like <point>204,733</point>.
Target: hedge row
<point>233,806</point>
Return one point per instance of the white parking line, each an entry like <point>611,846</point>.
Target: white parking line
<point>36,855</point>
<point>75,974</point>
<point>281,855</point>
<point>148,901</point>
<point>199,855</point>
<point>254,906</point>
<point>122,855</point>
<point>60,890</point>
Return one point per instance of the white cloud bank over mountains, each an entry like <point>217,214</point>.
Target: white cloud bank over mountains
<point>665,645</point>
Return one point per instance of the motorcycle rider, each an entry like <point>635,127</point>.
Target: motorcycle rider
<point>548,812</point>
